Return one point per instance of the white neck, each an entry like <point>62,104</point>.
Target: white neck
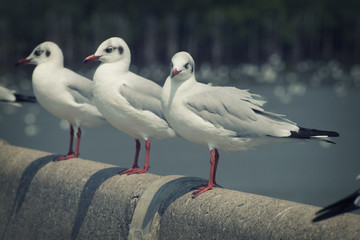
<point>172,87</point>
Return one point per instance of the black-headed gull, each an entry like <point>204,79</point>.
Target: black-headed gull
<point>10,96</point>
<point>224,118</point>
<point>347,204</point>
<point>129,102</point>
<point>62,92</point>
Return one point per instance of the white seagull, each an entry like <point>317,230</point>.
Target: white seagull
<point>224,118</point>
<point>62,92</point>
<point>129,102</point>
<point>10,96</point>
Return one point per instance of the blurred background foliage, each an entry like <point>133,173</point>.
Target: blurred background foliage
<point>217,32</point>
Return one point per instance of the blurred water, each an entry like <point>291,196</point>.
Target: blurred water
<point>308,172</point>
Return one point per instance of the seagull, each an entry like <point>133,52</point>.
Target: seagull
<point>9,96</point>
<point>347,204</point>
<point>225,118</point>
<point>129,102</point>
<point>62,92</point>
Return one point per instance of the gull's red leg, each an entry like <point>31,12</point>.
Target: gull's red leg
<point>135,165</point>
<point>77,153</point>
<point>147,155</point>
<point>71,140</point>
<point>214,159</point>
<point>71,154</point>
<point>216,163</point>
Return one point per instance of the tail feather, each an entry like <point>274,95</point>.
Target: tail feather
<point>307,133</point>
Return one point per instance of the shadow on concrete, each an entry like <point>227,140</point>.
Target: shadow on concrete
<point>87,195</point>
<point>180,187</point>
<point>24,185</point>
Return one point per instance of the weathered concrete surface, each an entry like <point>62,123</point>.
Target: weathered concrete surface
<point>80,199</point>
<point>225,214</point>
<point>42,199</point>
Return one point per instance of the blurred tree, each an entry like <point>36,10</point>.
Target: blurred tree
<point>220,32</point>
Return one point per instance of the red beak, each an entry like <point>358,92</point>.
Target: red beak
<point>23,62</point>
<point>91,58</point>
<point>175,72</point>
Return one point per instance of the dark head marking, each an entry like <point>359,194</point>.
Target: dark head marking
<point>121,50</point>
<point>37,52</point>
<point>189,64</point>
<point>47,53</point>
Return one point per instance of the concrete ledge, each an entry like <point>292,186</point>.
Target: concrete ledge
<point>80,199</point>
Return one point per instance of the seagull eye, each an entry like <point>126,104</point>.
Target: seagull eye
<point>109,49</point>
<point>121,50</point>
<point>172,65</point>
<point>187,66</point>
<point>38,52</point>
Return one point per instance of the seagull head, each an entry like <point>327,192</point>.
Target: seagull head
<point>111,50</point>
<point>46,52</point>
<point>182,66</point>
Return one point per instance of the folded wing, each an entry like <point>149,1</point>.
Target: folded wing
<point>239,111</point>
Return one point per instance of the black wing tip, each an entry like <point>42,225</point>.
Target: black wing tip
<point>23,98</point>
<point>332,134</point>
<point>319,218</point>
<point>327,140</point>
<point>342,206</point>
<point>324,214</point>
<point>328,212</point>
<point>317,132</point>
<point>308,133</point>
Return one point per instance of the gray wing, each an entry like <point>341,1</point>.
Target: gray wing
<point>143,94</point>
<point>236,110</point>
<point>80,88</point>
